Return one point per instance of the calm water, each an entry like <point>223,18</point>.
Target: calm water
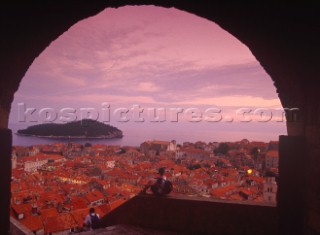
<point>135,134</point>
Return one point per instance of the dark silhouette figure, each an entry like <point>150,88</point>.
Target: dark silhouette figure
<point>161,186</point>
<point>92,220</point>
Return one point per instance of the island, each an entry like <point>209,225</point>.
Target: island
<point>82,129</point>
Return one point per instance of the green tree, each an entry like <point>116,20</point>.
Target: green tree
<point>223,148</point>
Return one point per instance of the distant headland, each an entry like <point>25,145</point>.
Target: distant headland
<point>82,129</point>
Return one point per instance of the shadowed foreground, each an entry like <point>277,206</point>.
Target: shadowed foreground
<point>186,215</point>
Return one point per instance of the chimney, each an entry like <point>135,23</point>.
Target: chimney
<point>34,209</point>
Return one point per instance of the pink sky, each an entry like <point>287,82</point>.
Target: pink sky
<point>151,56</point>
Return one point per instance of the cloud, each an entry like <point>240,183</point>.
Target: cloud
<point>98,99</point>
<point>147,55</point>
<point>147,87</point>
<point>233,101</point>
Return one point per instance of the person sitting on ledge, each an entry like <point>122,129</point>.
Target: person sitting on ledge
<point>92,220</point>
<point>161,186</point>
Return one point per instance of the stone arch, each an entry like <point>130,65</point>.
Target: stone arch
<point>282,37</point>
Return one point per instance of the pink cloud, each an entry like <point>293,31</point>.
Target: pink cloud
<point>150,55</point>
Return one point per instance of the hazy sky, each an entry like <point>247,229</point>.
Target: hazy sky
<point>154,57</point>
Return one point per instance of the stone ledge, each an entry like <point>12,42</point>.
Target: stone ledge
<point>194,215</point>
<point>17,228</point>
<point>128,230</point>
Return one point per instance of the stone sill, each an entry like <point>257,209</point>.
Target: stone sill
<point>187,215</point>
<point>194,215</point>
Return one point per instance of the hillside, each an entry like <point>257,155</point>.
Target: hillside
<point>77,129</point>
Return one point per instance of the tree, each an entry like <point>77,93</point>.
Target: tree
<point>255,152</point>
<point>194,166</point>
<point>223,148</point>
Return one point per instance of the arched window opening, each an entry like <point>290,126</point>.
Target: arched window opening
<point>187,96</point>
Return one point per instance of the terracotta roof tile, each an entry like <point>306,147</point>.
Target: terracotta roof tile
<point>158,142</point>
<point>79,202</point>
<point>117,203</point>
<point>94,196</point>
<point>21,208</point>
<point>79,216</point>
<point>47,213</point>
<point>273,153</point>
<point>61,222</point>
<point>103,209</point>
<point>34,223</point>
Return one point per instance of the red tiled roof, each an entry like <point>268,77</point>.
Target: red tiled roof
<point>61,222</point>
<point>257,179</point>
<point>103,209</point>
<point>94,196</point>
<point>236,197</point>
<point>79,216</point>
<point>247,191</point>
<point>258,144</point>
<point>79,202</point>
<point>47,213</point>
<point>222,191</point>
<point>21,208</point>
<point>272,153</point>
<point>48,196</point>
<point>17,173</point>
<point>15,186</point>
<point>117,203</point>
<point>55,156</point>
<point>34,223</point>
<point>158,142</point>
<point>275,170</point>
<point>37,157</point>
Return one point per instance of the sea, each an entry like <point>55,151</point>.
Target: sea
<point>136,133</point>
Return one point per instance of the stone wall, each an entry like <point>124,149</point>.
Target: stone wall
<point>195,216</point>
<point>283,38</point>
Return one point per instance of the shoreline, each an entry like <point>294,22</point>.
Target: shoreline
<point>71,137</point>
